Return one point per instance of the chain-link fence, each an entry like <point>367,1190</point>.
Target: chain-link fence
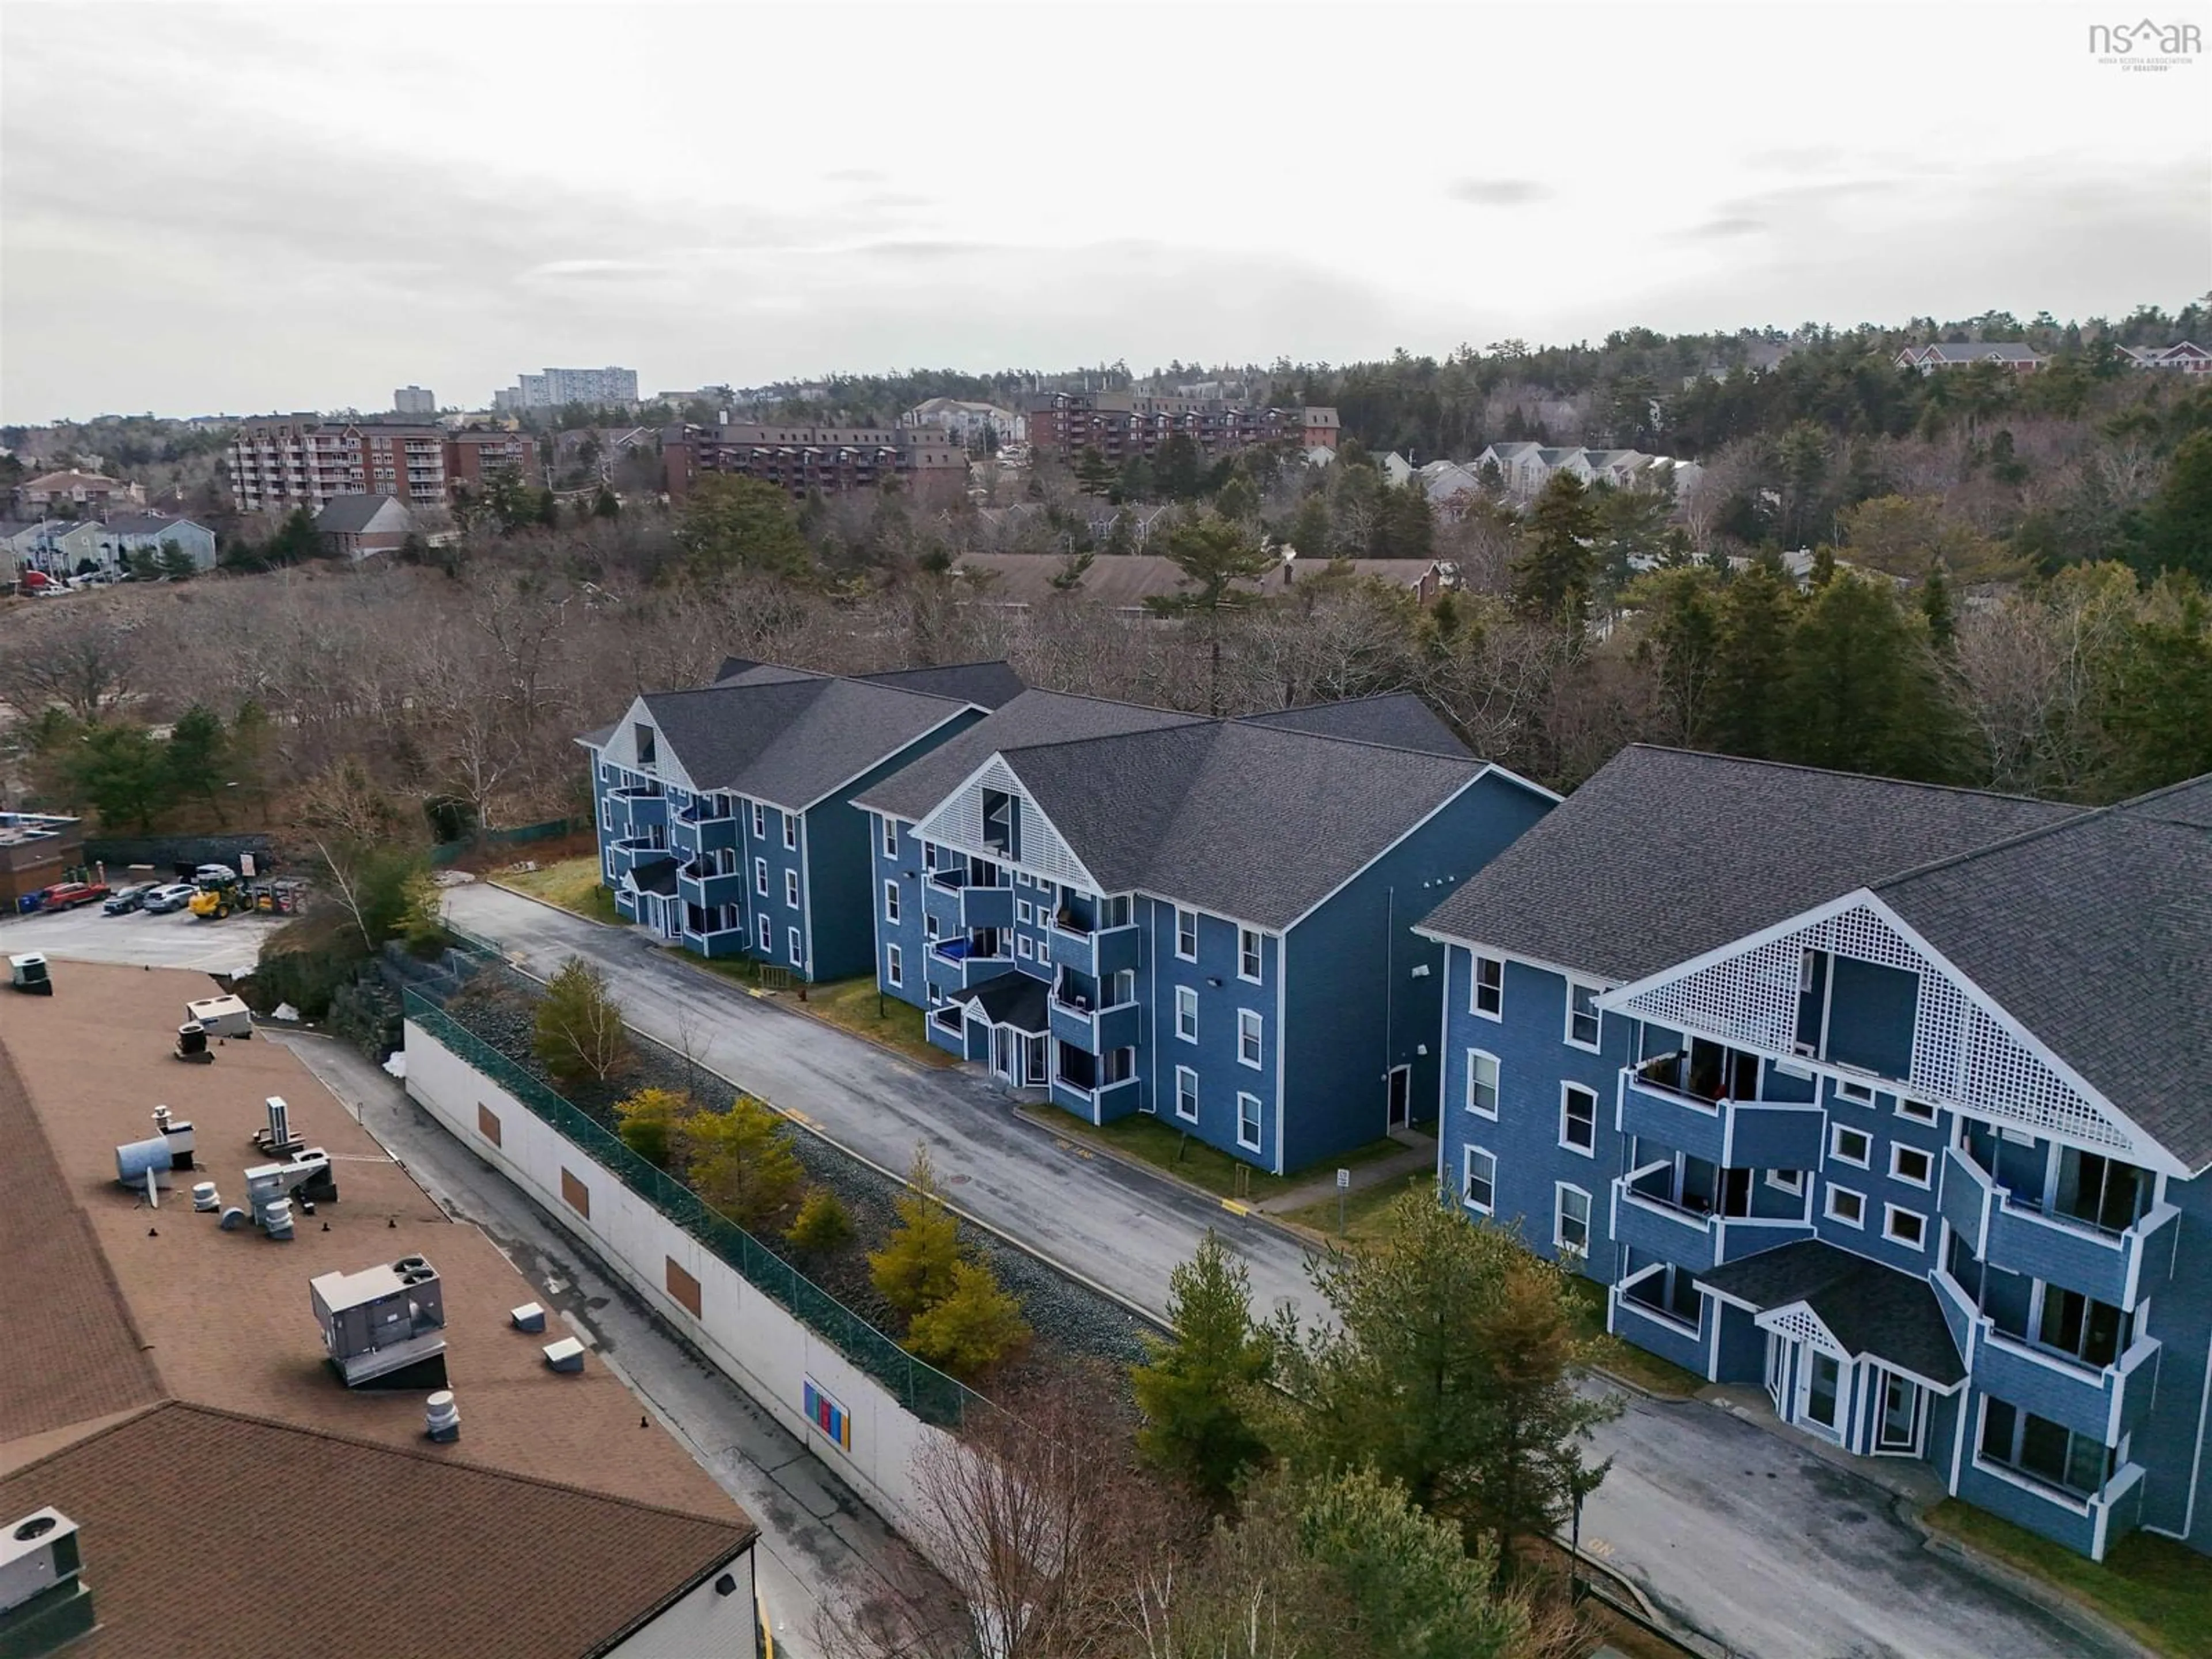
<point>923,1390</point>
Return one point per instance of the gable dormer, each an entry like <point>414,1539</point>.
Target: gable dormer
<point>991,816</point>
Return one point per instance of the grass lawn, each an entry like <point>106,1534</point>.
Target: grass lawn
<point>1362,1209</point>
<point>2156,1588</point>
<point>571,883</point>
<point>1155,1141</point>
<point>1625,1359</point>
<point>853,1005</point>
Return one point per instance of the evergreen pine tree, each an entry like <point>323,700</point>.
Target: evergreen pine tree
<point>913,1272</point>
<point>741,1162</point>
<point>1935,607</point>
<point>1862,693</point>
<point>1213,555</point>
<point>1758,613</point>
<point>1555,574</point>
<point>1193,1388</point>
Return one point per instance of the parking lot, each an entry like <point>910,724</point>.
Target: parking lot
<point>175,940</point>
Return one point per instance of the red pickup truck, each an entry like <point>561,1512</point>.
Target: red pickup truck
<point>70,893</point>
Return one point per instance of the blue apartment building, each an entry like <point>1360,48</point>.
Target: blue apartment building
<point>1134,910</point>
<point>1887,1099</point>
<point>723,812</point>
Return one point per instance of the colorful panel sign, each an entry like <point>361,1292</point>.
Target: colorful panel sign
<point>827,1415</point>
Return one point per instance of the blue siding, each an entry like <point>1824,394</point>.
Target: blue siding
<point>1222,997</point>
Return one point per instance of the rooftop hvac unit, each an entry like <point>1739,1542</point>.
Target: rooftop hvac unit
<point>27,973</point>
<point>222,1017</point>
<point>43,1603</point>
<point>383,1327</point>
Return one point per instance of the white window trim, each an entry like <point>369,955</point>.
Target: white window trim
<point>1022,946</point>
<point>760,876</point>
<point>1496,1082</point>
<point>1182,1072</point>
<point>1829,1211</point>
<point>1560,1191</point>
<point>1258,956</point>
<point>1024,913</point>
<point>1794,1186</point>
<point>1859,1094</point>
<point>1897,1150</point>
<point>1474,988</point>
<point>790,832</point>
<point>891,903</point>
<point>890,836</point>
<point>760,821</point>
<point>1568,1036</point>
<point>895,966</point>
<point>1466,1157</point>
<point>1927,1112</point>
<point>1889,1215</point>
<point>1836,1133</point>
<point>767,935</point>
<point>1181,954</point>
<point>791,889</point>
<point>798,944</point>
<point>1243,1096</point>
<point>1258,1029</point>
<point>1182,991</point>
<point>1565,1089</point>
<point>1044,951</point>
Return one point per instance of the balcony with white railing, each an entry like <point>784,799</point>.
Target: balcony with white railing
<point>1661,1100</point>
<point>2015,1231</point>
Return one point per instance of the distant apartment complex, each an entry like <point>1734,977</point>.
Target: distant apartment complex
<point>818,459</point>
<point>966,421</point>
<point>2186,358</point>
<point>558,387</point>
<point>2008,355</point>
<point>1123,426</point>
<point>283,461</point>
<point>1525,468</point>
<point>415,400</point>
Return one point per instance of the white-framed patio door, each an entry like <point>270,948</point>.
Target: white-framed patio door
<point>1820,1398</point>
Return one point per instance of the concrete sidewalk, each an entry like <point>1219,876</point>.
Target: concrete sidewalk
<point>1418,1155</point>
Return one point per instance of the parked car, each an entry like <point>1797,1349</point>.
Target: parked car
<point>70,893</point>
<point>124,900</point>
<point>215,872</point>
<point>173,897</point>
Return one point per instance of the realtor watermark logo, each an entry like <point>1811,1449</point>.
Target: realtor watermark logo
<point>2146,47</point>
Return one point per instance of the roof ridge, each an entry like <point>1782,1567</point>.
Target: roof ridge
<point>2138,803</point>
<point>1854,777</point>
<point>1115,702</point>
<point>1468,759</point>
<point>1109,736</point>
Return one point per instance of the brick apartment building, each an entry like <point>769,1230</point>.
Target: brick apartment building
<point>283,461</point>
<point>930,464</point>
<point>1123,426</point>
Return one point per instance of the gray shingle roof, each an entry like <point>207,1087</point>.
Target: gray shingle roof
<point>349,515</point>
<point>791,740</point>
<point>1013,999</point>
<point>658,876</point>
<point>1870,1309</point>
<point>1033,717</point>
<point>1399,719</point>
<point>986,684</point>
<point>2096,935</point>
<point>1665,855</point>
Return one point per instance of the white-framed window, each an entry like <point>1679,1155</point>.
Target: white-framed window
<point>1248,1120</point>
<point>760,876</point>
<point>797,949</point>
<point>1022,946</point>
<point>1024,913</point>
<point>1248,954</point>
<point>1186,933</point>
<point>1847,1207</point>
<point>890,836</point>
<point>891,903</point>
<point>767,937</point>
<point>894,966</point>
<point>1187,1013</point>
<point>760,821</point>
<point>1791,1182</point>
<point>1186,1094</point>
<point>1849,1146</point>
<point>791,888</point>
<point>1861,1094</point>
<point>1488,998</point>
<point>1481,1082</point>
<point>1571,1219</point>
<point>1578,1118</point>
<point>1044,953</point>
<point>790,832</point>
<point>1249,1034</point>
<point>1907,1227</point>
<point>1582,1015</point>
<point>1051,891</point>
<point>1918,1110</point>
<point>929,929</point>
<point>1478,1180</point>
<point>1914,1165</point>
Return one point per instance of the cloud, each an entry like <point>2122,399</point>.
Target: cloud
<point>1713,230</point>
<point>1497,192</point>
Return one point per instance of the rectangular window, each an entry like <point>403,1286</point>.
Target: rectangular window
<point>2044,1450</point>
<point>1186,1094</point>
<point>1907,1227</point>
<point>1577,1118</point>
<point>1481,1082</point>
<point>791,888</point>
<point>1247,1121</point>
<point>1582,1015</point>
<point>646,754</point>
<point>1860,1093</point>
<point>1248,1033</point>
<point>1187,934</point>
<point>1571,1229</point>
<point>1918,1110</point>
<point>1023,913</point>
<point>894,965</point>
<point>1185,1013</point>
<point>760,876</point>
<point>1846,1206</point>
<point>767,937</point>
<point>798,950</point>
<point>1478,1184</point>
<point>890,837</point>
<point>791,832</point>
<point>1248,954</point>
<point>760,822</point>
<point>1044,953</point>
<point>1912,1164</point>
<point>1490,987</point>
<point>1022,946</point>
<point>1850,1145</point>
<point>891,903</point>
<point>1791,1182</point>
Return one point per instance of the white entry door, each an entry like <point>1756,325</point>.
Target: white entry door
<point>1820,1392</point>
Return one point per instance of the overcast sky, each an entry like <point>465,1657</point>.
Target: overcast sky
<point>249,208</point>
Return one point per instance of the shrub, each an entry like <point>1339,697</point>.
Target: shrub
<point>914,1270</point>
<point>974,1326</point>
<point>741,1162</point>
<point>822,1224</point>
<point>648,1121</point>
<point>579,1027</point>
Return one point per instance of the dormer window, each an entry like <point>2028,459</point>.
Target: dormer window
<point>645,756</point>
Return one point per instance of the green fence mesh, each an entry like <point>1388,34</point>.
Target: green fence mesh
<point>923,1390</point>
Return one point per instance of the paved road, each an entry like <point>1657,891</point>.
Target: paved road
<point>174,940</point>
<point>818,1542</point>
<point>1735,1531</point>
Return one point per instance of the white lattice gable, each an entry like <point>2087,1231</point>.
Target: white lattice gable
<point>957,822</point>
<point>1799,1323</point>
<point>1968,1054</point>
<point>622,747</point>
